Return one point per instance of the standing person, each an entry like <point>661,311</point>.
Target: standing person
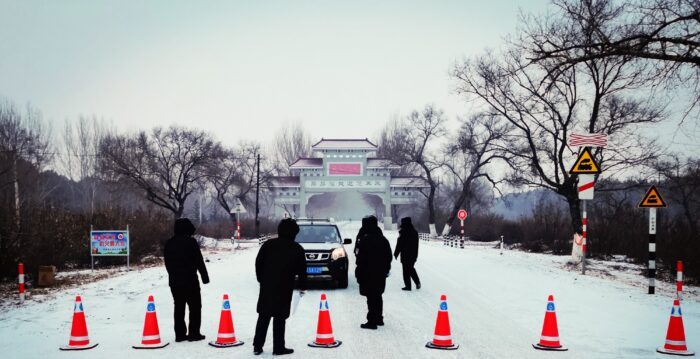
<point>183,259</point>
<point>407,247</point>
<point>373,265</point>
<point>278,262</point>
<point>361,233</point>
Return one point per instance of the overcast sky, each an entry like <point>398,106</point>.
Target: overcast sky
<point>241,69</point>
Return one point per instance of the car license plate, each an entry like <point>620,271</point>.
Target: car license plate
<point>314,270</point>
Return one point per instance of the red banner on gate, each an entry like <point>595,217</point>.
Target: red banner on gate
<point>344,169</point>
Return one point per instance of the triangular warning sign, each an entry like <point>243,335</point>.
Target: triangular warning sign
<point>585,164</point>
<point>652,199</point>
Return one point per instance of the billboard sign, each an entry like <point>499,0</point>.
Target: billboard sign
<point>109,243</point>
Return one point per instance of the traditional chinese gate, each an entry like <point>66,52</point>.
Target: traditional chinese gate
<point>340,165</point>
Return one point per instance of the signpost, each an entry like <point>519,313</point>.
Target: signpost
<point>462,215</point>
<point>652,200</point>
<point>109,243</point>
<point>238,209</point>
<point>586,168</point>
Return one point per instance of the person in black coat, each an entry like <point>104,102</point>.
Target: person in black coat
<point>278,262</point>
<point>373,264</point>
<point>407,247</point>
<point>183,259</point>
<point>361,233</point>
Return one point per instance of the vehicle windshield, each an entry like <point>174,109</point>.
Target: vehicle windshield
<point>318,234</point>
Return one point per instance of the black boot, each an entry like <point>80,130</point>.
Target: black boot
<point>195,337</point>
<point>407,288</point>
<point>283,351</point>
<point>368,325</point>
<point>257,351</point>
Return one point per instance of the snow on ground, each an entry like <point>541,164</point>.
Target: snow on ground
<point>496,306</point>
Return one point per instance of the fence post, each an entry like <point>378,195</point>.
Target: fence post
<point>20,271</point>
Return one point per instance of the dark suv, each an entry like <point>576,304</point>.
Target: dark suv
<point>326,257</point>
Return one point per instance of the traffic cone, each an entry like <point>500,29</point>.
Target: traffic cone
<point>675,335</point>
<point>549,340</point>
<point>151,333</point>
<point>227,335</point>
<point>443,336</point>
<point>324,330</point>
<point>79,339</point>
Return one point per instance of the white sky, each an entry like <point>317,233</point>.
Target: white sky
<point>240,69</point>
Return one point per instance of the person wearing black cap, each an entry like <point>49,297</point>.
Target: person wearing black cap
<point>373,264</point>
<point>278,262</point>
<point>183,259</point>
<point>407,247</point>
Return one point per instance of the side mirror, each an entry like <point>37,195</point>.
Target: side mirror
<point>347,241</point>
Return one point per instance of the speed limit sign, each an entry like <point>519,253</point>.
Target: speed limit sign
<point>462,214</point>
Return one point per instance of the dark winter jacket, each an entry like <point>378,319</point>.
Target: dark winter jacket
<point>373,262</point>
<point>278,262</point>
<point>361,233</point>
<point>407,243</point>
<point>183,257</point>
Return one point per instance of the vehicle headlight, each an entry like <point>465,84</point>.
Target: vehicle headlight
<point>338,253</point>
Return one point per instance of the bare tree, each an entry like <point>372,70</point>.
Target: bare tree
<point>479,143</point>
<point>291,142</point>
<point>167,164</point>
<point>682,178</point>
<point>234,175</point>
<point>543,111</point>
<point>23,139</point>
<point>663,33</point>
<point>409,143</point>
<point>81,143</point>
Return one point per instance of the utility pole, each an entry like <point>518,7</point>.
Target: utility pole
<point>257,199</point>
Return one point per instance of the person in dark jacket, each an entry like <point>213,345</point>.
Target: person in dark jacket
<point>407,247</point>
<point>278,262</point>
<point>361,233</point>
<point>373,265</point>
<point>182,261</point>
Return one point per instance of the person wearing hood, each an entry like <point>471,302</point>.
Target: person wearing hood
<point>373,265</point>
<point>278,262</point>
<point>361,233</point>
<point>183,259</point>
<point>407,247</point>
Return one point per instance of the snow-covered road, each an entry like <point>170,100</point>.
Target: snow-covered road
<point>496,307</point>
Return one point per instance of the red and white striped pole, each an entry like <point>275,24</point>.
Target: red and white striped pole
<point>461,231</point>
<point>20,271</point>
<point>238,225</point>
<point>679,279</point>
<point>584,229</point>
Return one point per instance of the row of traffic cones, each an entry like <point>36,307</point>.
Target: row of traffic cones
<point>549,339</point>
<point>150,339</point>
<point>442,339</point>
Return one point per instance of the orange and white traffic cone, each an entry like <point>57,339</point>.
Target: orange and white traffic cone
<point>675,335</point>
<point>443,335</point>
<point>324,330</point>
<point>227,335</point>
<point>549,340</point>
<point>79,339</point>
<point>151,334</point>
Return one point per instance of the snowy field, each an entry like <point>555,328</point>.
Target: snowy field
<point>496,306</point>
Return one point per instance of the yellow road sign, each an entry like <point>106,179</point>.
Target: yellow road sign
<point>585,164</point>
<point>652,199</point>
